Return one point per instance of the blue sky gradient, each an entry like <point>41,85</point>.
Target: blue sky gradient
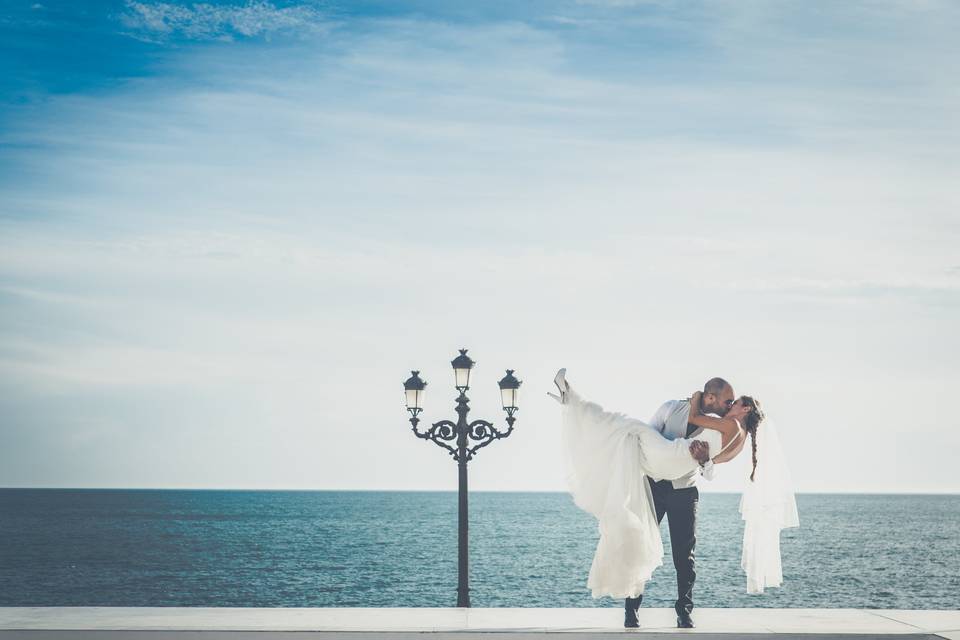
<point>230,229</point>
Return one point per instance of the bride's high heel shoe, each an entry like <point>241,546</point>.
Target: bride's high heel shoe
<point>561,381</point>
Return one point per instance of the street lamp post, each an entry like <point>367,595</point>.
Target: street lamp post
<point>457,439</point>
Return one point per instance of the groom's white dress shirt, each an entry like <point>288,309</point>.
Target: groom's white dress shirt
<point>671,420</point>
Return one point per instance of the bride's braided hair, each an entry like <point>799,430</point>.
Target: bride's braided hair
<point>750,423</point>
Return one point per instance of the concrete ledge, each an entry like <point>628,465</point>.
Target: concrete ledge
<point>157,623</point>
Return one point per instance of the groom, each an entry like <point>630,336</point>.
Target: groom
<point>677,499</point>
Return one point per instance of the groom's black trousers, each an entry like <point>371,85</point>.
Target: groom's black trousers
<point>680,507</point>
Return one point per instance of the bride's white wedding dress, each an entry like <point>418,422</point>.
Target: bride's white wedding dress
<point>606,456</point>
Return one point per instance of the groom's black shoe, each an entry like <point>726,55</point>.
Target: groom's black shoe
<point>630,607</point>
<point>684,621</point>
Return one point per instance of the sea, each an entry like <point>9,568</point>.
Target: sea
<point>200,548</point>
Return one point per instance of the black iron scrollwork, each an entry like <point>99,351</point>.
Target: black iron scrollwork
<point>440,433</point>
<point>480,431</point>
<point>483,432</point>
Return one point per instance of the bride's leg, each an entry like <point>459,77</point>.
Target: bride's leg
<point>593,441</point>
<point>665,459</point>
<point>590,413</point>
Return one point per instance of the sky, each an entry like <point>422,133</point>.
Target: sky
<point>230,230</point>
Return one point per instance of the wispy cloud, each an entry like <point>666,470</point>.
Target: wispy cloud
<point>202,21</point>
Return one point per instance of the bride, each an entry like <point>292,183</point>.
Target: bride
<point>607,456</point>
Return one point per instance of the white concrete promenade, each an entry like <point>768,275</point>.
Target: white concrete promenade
<point>159,623</point>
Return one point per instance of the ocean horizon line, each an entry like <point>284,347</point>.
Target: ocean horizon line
<point>452,491</point>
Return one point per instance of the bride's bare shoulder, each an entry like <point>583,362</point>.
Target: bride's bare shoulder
<point>733,450</point>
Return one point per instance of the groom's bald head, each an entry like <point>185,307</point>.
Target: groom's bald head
<point>717,396</point>
<point>716,386</point>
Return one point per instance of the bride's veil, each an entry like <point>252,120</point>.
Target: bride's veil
<point>768,505</point>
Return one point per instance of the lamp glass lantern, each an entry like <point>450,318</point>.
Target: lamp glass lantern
<point>414,388</point>
<point>509,392</point>
<point>462,365</point>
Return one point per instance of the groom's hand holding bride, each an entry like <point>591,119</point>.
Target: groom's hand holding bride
<point>700,451</point>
